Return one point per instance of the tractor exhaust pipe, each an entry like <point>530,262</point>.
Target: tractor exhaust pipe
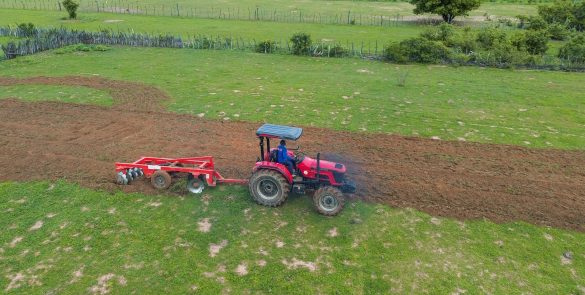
<point>318,167</point>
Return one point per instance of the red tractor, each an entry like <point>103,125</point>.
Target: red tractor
<point>271,181</point>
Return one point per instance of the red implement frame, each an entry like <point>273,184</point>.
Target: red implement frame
<point>199,167</point>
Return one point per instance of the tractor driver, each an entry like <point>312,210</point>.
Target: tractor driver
<point>284,158</point>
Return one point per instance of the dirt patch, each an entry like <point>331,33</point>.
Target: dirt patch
<point>215,248</point>
<point>80,143</point>
<point>204,225</point>
<point>36,226</point>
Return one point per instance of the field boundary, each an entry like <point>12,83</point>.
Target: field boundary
<point>41,39</point>
<point>225,13</point>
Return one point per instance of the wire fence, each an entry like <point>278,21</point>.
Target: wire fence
<point>41,39</point>
<point>225,13</point>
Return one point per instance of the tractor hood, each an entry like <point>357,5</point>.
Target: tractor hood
<point>325,165</point>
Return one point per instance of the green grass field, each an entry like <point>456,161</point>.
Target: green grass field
<point>70,94</point>
<point>245,8</point>
<point>59,238</point>
<point>192,27</point>
<point>316,6</point>
<point>530,108</point>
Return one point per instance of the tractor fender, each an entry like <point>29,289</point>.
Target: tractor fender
<point>274,166</point>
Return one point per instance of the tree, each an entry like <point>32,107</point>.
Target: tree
<point>447,9</point>
<point>71,7</point>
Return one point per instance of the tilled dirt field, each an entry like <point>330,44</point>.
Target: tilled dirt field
<point>80,143</point>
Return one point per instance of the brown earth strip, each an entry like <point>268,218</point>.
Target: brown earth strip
<point>80,143</point>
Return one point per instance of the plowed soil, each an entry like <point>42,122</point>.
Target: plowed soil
<point>80,143</point>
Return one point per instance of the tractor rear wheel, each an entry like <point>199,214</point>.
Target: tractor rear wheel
<point>160,179</point>
<point>328,200</point>
<point>269,188</point>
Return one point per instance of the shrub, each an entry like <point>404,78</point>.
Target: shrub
<point>395,53</point>
<point>570,13</point>
<point>71,7</point>
<point>267,46</point>
<point>501,55</point>
<point>81,48</point>
<point>534,42</point>
<point>418,50</point>
<point>491,37</point>
<point>560,12</point>
<point>301,43</point>
<point>443,32</point>
<point>465,42</point>
<point>574,49</point>
<point>101,48</point>
<point>558,31</point>
<point>532,22</point>
<point>519,41</point>
<point>28,30</point>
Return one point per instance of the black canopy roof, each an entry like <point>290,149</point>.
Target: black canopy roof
<point>279,131</point>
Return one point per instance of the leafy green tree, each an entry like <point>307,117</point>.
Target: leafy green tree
<point>447,9</point>
<point>71,7</point>
<point>568,13</point>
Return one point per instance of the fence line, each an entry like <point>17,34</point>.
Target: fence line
<point>227,13</point>
<point>38,40</point>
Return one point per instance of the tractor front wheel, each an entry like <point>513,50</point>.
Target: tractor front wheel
<point>269,188</point>
<point>328,200</point>
<point>160,179</point>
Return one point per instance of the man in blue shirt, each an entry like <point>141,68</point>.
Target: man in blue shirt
<point>284,158</point>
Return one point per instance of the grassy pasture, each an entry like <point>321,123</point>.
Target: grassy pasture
<point>191,27</point>
<point>57,237</point>
<point>245,8</point>
<point>530,108</point>
<point>70,94</point>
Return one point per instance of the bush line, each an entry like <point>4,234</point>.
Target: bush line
<point>488,48</point>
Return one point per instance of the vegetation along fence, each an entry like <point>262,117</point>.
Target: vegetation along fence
<point>39,39</point>
<point>36,40</point>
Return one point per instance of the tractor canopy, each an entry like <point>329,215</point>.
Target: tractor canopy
<point>279,131</point>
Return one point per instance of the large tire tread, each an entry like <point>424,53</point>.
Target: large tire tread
<point>332,191</point>
<point>284,186</point>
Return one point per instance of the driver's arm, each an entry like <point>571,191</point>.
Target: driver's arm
<point>287,155</point>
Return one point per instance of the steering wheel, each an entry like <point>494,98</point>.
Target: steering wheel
<point>299,157</point>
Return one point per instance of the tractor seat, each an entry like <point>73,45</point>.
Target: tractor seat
<point>273,155</point>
